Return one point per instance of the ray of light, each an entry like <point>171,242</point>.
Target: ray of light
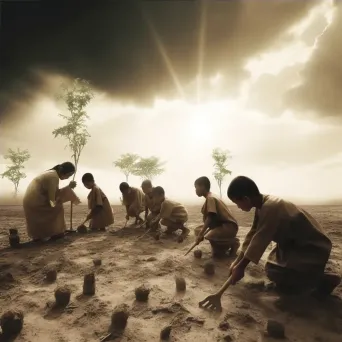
<point>202,36</point>
<point>164,55</point>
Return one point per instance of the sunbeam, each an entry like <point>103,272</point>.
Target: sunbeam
<point>163,53</point>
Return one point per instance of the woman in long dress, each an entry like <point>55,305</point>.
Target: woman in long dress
<point>43,202</point>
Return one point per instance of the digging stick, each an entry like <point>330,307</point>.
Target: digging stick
<point>195,244</point>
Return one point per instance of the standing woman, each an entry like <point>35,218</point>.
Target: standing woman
<point>43,202</point>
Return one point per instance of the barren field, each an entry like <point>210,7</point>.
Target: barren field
<point>128,263</point>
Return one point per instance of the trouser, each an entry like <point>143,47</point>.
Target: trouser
<point>173,226</point>
<point>222,239</point>
<point>292,281</point>
<point>134,211</point>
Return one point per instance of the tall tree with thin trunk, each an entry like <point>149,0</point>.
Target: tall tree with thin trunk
<point>126,163</point>
<point>221,158</point>
<point>14,172</point>
<point>149,168</point>
<point>76,96</point>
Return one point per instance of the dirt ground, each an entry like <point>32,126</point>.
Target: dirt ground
<point>128,263</point>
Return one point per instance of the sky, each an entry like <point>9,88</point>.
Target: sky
<point>176,80</point>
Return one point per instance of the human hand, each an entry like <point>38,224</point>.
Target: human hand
<point>72,184</point>
<point>199,238</point>
<point>237,274</point>
<point>232,265</point>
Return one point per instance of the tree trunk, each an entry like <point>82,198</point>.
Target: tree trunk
<point>15,191</point>
<point>71,204</point>
<point>126,178</point>
<point>220,187</point>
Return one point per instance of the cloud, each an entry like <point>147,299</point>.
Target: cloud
<point>266,94</point>
<point>320,89</point>
<point>115,45</point>
<point>286,155</point>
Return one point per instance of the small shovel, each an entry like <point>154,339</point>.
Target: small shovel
<point>195,244</point>
<point>213,302</point>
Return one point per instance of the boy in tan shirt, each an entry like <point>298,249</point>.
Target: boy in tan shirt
<point>217,217</point>
<point>297,262</point>
<point>101,213</point>
<point>133,200</point>
<point>172,214</point>
<point>150,205</point>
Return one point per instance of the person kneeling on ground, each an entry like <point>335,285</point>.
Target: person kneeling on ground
<point>133,200</point>
<point>218,219</point>
<point>172,214</point>
<point>150,205</point>
<point>297,262</point>
<point>101,213</point>
<point>43,203</point>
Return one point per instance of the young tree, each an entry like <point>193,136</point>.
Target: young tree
<point>76,97</point>
<point>126,163</point>
<point>221,159</point>
<point>14,172</point>
<point>148,168</point>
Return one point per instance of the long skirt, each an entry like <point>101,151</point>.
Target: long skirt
<point>42,220</point>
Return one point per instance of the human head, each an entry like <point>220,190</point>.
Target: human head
<point>124,188</point>
<point>146,186</point>
<point>88,180</point>
<point>158,194</point>
<point>202,186</point>
<point>243,192</point>
<point>64,170</point>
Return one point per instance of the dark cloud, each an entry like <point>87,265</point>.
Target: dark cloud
<point>321,86</point>
<point>111,44</point>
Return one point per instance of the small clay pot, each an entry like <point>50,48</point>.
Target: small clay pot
<point>14,241</point>
<point>51,276</point>
<point>180,284</point>
<point>180,239</point>
<point>120,317</point>
<point>209,268</point>
<point>62,295</point>
<point>157,237</point>
<point>142,293</point>
<point>165,333</point>
<point>275,329</point>
<point>89,284</point>
<point>97,262</point>
<point>82,229</point>
<point>11,322</point>
<point>13,231</point>
<point>198,254</point>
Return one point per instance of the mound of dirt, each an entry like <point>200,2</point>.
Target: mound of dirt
<point>180,284</point>
<point>11,322</point>
<point>142,293</point>
<point>62,296</point>
<point>89,284</point>
<point>120,317</point>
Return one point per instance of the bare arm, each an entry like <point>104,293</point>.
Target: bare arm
<point>52,187</point>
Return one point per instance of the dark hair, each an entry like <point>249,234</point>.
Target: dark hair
<point>203,181</point>
<point>123,186</point>
<point>159,191</point>
<point>147,182</point>
<point>88,177</point>
<point>64,168</point>
<point>241,187</point>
